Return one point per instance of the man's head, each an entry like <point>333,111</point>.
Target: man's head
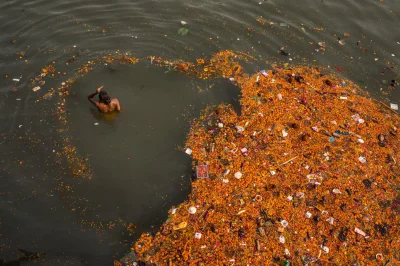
<point>104,97</point>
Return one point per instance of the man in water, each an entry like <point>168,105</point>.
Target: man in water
<point>105,104</point>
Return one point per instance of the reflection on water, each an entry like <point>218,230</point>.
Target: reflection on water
<point>138,170</point>
<point>106,117</point>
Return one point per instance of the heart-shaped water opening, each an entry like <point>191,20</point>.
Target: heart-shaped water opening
<point>139,172</point>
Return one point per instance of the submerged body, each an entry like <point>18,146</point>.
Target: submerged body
<point>105,104</point>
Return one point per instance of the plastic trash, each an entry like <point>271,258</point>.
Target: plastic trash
<point>197,235</point>
<point>360,232</point>
<point>284,223</point>
<point>330,220</point>
<point>336,191</point>
<point>338,132</point>
<point>261,231</point>
<point>325,249</point>
<point>173,211</point>
<point>220,125</point>
<point>394,106</point>
<point>96,124</point>
<point>357,118</point>
<point>284,133</point>
<point>258,245</point>
<point>308,215</point>
<point>202,171</point>
<point>239,129</point>
<point>188,151</point>
<point>264,73</point>
<point>238,175</point>
<point>183,22</point>
<point>279,97</point>
<point>192,210</point>
<point>36,88</point>
<point>362,159</point>
<point>282,239</point>
<point>17,80</point>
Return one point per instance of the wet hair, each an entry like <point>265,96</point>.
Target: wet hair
<point>104,97</point>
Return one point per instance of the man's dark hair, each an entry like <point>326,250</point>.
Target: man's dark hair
<point>104,97</point>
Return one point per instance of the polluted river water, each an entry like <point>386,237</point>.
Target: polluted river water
<point>134,166</point>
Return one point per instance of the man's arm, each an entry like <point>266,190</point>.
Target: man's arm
<point>91,97</point>
<point>118,106</point>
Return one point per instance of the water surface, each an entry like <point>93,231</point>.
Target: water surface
<point>139,172</point>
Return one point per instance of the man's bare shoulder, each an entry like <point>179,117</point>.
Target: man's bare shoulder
<point>115,104</point>
<point>103,107</point>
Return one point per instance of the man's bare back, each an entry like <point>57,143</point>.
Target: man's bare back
<point>105,103</point>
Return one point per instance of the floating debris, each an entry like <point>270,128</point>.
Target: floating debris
<point>183,31</point>
<point>245,213</point>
